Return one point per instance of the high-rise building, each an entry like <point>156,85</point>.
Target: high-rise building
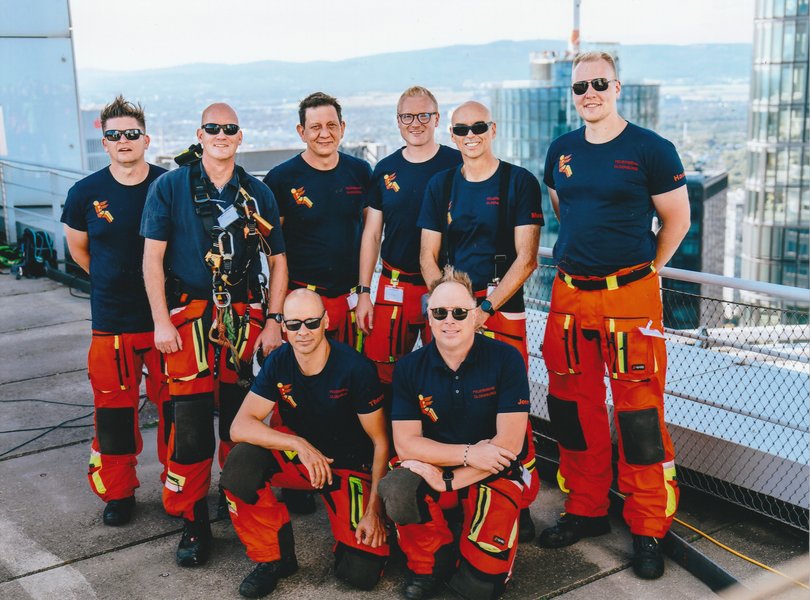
<point>776,244</point>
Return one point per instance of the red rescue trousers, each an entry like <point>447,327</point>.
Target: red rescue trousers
<point>203,376</point>
<point>115,367</point>
<point>259,519</point>
<point>342,319</point>
<point>488,540</point>
<point>619,329</point>
<point>398,319</point>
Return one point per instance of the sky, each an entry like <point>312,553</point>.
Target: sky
<point>146,34</point>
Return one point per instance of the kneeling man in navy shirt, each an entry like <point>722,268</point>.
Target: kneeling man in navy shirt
<point>460,409</point>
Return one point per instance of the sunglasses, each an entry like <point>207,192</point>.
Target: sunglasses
<point>311,323</point>
<point>423,118</point>
<point>477,128</point>
<point>600,84</point>
<point>440,313</point>
<point>214,128</point>
<point>113,135</point>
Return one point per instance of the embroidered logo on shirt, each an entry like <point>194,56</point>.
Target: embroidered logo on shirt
<point>564,166</point>
<point>101,210</point>
<point>300,198</point>
<point>390,184</point>
<point>353,190</point>
<point>493,200</point>
<point>485,392</point>
<point>627,165</point>
<point>425,403</point>
<point>338,394</point>
<point>284,390</point>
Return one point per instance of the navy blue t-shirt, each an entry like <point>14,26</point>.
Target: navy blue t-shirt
<point>473,221</point>
<point>323,408</point>
<point>169,216</point>
<point>323,219</point>
<point>460,407</point>
<point>604,193</point>
<point>397,189</point>
<point>110,213</point>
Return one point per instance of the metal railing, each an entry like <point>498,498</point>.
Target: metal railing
<point>737,383</point>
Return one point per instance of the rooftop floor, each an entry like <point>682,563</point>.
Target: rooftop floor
<point>53,544</point>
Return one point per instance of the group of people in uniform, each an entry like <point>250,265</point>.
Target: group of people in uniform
<point>196,271</point>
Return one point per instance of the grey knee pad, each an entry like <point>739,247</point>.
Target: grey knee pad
<point>471,584</point>
<point>641,436</point>
<point>193,428</point>
<point>402,492</point>
<point>361,570</point>
<point>246,471</point>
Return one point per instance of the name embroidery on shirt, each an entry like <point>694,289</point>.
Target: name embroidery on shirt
<point>298,195</point>
<point>627,165</point>
<point>425,403</point>
<point>390,184</point>
<point>101,210</point>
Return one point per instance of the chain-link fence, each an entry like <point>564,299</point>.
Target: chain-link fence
<point>736,396</point>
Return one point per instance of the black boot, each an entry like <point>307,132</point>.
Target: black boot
<point>119,512</point>
<point>195,545</point>
<point>418,587</point>
<point>222,506</point>
<point>571,528</point>
<point>648,562</point>
<point>526,531</point>
<point>263,578</point>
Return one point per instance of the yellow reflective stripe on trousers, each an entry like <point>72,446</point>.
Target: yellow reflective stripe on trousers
<point>481,509</point>
<point>561,482</point>
<point>199,346</point>
<point>355,500</point>
<point>566,328</point>
<point>669,476</point>
<point>614,367</point>
<point>95,463</point>
<point>612,282</point>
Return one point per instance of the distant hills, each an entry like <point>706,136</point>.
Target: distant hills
<point>453,67</point>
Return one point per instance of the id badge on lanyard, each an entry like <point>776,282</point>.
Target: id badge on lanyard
<point>392,292</point>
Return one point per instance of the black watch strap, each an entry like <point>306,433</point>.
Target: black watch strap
<point>447,476</point>
<point>277,317</point>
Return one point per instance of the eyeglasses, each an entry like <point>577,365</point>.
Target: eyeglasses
<point>423,118</point>
<point>477,128</point>
<point>600,84</point>
<point>214,128</point>
<point>113,135</point>
<point>311,323</point>
<point>440,313</point>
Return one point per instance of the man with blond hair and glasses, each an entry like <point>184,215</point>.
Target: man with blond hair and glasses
<point>394,320</point>
<point>607,180</point>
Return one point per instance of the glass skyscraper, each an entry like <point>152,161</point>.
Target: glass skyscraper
<point>777,203</point>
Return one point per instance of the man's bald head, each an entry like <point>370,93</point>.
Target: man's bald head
<point>471,112</point>
<point>219,112</point>
<point>302,304</point>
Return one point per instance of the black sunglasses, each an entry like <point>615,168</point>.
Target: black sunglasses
<point>113,135</point>
<point>214,128</point>
<point>423,118</point>
<point>477,128</point>
<point>440,313</point>
<point>311,323</point>
<point>600,84</point>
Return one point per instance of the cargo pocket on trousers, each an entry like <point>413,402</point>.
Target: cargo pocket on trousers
<point>108,365</point>
<point>631,355</point>
<point>187,364</point>
<point>560,344</point>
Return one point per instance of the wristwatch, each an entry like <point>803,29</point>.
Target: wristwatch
<point>447,476</point>
<point>277,317</point>
<point>362,289</point>
<point>486,306</point>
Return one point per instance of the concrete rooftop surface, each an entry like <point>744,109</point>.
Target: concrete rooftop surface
<point>54,545</point>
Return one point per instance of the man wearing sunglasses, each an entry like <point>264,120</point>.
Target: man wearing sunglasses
<point>331,438</point>
<point>398,185</point>
<point>484,218</point>
<point>101,218</point>
<point>606,181</point>
<point>321,195</point>
<point>459,417</point>
<point>209,222</point>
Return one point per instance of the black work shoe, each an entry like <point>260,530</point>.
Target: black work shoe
<point>418,587</point>
<point>195,545</point>
<point>119,512</point>
<point>526,531</point>
<point>648,562</point>
<point>263,578</point>
<point>571,528</point>
<point>299,502</point>
<point>222,506</point>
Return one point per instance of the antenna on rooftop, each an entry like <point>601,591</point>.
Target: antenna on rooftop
<point>573,43</point>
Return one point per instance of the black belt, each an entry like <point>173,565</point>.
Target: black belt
<point>611,282</point>
<point>414,278</point>
<point>321,291</point>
